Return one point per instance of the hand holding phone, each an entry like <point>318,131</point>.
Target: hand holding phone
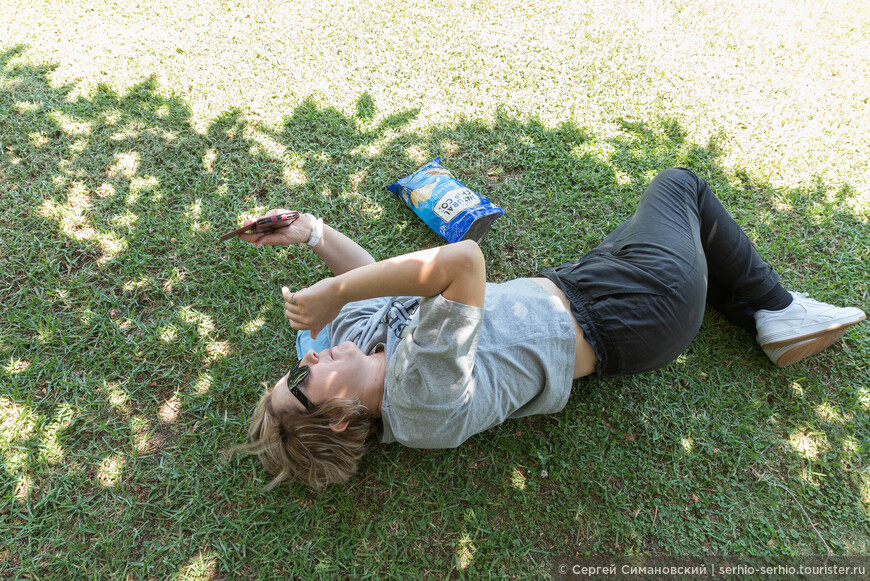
<point>264,225</point>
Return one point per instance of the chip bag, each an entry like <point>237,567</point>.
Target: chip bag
<point>449,208</point>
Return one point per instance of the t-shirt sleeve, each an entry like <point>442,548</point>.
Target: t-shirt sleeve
<point>434,360</point>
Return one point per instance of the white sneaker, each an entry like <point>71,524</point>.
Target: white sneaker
<point>788,354</point>
<point>803,319</point>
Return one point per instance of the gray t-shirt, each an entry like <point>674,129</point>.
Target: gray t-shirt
<point>454,370</point>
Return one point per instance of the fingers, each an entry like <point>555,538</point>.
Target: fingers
<point>293,311</point>
<point>271,239</point>
<point>312,308</point>
<point>276,238</point>
<point>252,238</point>
<point>260,239</point>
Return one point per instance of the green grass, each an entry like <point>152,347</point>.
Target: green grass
<point>133,345</point>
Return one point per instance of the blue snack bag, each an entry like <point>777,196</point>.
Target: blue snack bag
<point>449,208</point>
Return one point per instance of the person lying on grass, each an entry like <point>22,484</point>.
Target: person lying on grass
<point>426,353</point>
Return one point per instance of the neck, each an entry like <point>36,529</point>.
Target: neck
<point>372,393</point>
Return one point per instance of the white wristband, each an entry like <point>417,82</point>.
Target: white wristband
<point>316,230</point>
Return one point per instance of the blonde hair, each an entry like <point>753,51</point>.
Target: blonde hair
<point>303,448</point>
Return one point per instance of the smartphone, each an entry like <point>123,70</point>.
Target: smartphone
<point>265,224</point>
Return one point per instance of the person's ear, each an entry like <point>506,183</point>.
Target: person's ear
<point>340,427</point>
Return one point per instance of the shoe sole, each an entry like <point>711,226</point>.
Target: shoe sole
<point>804,349</point>
<point>822,332</point>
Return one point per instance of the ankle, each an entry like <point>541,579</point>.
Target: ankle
<point>776,299</point>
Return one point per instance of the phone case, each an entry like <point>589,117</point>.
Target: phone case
<point>265,224</point>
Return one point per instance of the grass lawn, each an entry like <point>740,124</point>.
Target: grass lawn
<point>133,345</point>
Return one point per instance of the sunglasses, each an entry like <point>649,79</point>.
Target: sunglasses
<point>297,375</point>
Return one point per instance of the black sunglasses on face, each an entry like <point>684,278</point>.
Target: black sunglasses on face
<point>297,375</point>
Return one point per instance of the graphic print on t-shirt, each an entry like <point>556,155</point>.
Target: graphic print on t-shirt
<point>397,317</point>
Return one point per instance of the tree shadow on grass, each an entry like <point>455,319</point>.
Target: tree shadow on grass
<point>136,343</point>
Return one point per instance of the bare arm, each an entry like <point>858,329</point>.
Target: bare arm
<point>455,271</point>
<point>340,253</point>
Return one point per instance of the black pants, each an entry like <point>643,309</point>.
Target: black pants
<point>639,296</point>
